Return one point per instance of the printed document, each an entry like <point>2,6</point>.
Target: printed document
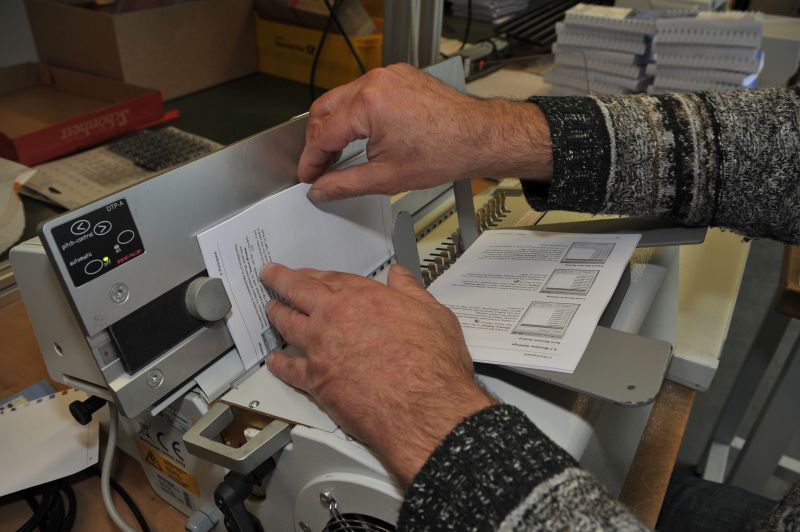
<point>352,235</point>
<point>533,299</point>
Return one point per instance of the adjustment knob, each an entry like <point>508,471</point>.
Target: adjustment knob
<point>82,410</point>
<point>206,299</point>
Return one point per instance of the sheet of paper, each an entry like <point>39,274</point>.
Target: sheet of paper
<point>12,215</point>
<point>42,442</point>
<point>352,235</point>
<point>533,299</point>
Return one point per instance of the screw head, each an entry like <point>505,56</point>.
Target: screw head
<point>119,293</point>
<point>326,497</point>
<point>253,404</point>
<point>154,378</point>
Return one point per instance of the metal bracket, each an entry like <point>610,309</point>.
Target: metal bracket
<point>406,252</point>
<point>202,440</point>
<point>465,210</point>
<point>624,368</point>
<point>655,233</point>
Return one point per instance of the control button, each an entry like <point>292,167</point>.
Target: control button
<point>101,228</point>
<point>93,266</point>
<point>125,236</point>
<point>79,227</point>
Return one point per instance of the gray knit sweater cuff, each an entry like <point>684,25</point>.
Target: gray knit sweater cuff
<point>581,156</point>
<point>480,472</point>
<point>727,159</point>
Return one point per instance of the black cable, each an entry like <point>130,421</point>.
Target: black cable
<point>40,515</point>
<point>331,18</point>
<point>52,513</point>
<point>137,513</point>
<point>469,23</point>
<point>311,87</point>
<point>55,514</point>
<point>346,37</point>
<point>72,507</point>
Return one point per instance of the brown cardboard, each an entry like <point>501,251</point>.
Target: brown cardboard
<point>288,51</point>
<point>314,14</point>
<point>177,49</point>
<point>46,112</point>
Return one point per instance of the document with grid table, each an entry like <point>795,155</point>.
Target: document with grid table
<point>533,299</point>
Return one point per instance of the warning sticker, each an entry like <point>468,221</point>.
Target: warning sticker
<point>169,468</point>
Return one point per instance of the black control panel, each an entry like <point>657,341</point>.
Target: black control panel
<point>97,242</point>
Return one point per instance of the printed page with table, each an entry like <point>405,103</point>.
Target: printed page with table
<point>533,299</point>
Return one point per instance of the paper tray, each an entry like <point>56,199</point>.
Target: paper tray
<point>621,367</point>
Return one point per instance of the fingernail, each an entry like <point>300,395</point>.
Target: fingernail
<point>268,361</point>
<point>270,304</point>
<point>316,196</point>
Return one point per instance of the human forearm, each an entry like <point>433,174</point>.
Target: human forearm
<point>498,471</point>
<point>726,159</point>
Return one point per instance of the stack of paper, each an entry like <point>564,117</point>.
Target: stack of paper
<point>489,10</point>
<point>602,50</point>
<point>711,51</point>
<point>12,216</point>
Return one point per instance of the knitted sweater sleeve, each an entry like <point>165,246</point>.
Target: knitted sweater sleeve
<point>728,159</point>
<point>497,471</point>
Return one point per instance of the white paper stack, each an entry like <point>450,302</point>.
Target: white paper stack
<point>602,50</point>
<point>711,51</point>
<point>489,10</point>
<point>12,215</point>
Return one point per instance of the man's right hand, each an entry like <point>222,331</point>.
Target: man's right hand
<point>421,133</point>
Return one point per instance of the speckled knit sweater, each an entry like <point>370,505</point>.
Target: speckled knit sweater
<point>724,159</point>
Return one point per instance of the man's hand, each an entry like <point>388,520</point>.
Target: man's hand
<point>421,133</point>
<point>388,363</point>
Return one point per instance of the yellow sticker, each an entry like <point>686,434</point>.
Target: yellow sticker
<point>168,468</point>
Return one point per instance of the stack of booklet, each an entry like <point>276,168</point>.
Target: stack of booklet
<point>710,51</point>
<point>489,10</point>
<point>602,50</point>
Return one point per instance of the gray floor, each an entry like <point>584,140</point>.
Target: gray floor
<point>758,286</point>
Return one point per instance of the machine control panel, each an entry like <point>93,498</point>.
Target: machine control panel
<point>95,243</point>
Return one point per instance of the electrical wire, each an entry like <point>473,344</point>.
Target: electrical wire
<point>134,508</point>
<point>469,23</point>
<point>105,474</point>
<point>347,40</point>
<point>332,18</point>
<point>51,513</point>
<point>54,504</point>
<point>317,52</point>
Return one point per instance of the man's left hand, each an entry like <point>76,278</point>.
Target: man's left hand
<point>389,364</point>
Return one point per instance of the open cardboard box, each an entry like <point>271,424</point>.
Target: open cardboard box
<point>46,112</point>
<point>178,49</point>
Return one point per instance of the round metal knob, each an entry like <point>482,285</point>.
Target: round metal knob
<point>207,300</point>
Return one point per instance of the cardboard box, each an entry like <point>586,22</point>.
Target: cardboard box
<point>287,51</point>
<point>177,49</point>
<point>314,14</point>
<point>46,112</point>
